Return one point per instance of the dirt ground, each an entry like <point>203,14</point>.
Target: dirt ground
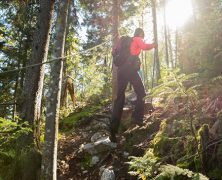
<point>70,159</point>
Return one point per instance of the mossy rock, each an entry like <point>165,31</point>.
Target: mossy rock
<point>173,148</point>
<point>86,160</point>
<point>164,145</point>
<point>174,127</point>
<point>69,123</point>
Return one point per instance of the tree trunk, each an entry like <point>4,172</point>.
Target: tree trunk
<point>171,58</point>
<point>64,97</point>
<point>32,92</point>
<point>156,55</point>
<point>165,34</point>
<point>115,36</point>
<point>146,73</point>
<point>194,11</point>
<point>49,164</point>
<point>176,49</point>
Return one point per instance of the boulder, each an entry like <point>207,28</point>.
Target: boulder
<point>101,145</point>
<point>108,174</point>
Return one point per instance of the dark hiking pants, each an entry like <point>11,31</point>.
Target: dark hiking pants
<point>126,74</point>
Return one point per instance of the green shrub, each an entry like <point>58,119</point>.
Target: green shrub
<point>17,160</point>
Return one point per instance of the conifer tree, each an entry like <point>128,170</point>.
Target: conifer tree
<point>32,92</point>
<point>49,164</point>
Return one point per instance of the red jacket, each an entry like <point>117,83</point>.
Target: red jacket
<point>138,44</point>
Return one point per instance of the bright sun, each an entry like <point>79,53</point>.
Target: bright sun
<point>178,12</point>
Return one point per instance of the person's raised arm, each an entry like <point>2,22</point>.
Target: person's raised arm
<point>143,45</point>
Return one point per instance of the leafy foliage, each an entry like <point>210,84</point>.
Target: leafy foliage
<point>15,155</point>
<point>200,47</point>
<point>17,24</point>
<point>176,88</point>
<point>173,172</point>
<point>144,166</point>
<point>69,122</point>
<point>149,167</point>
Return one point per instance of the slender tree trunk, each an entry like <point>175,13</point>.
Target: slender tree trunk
<point>194,11</point>
<point>176,49</point>
<point>165,34</point>
<point>171,58</point>
<point>49,164</point>
<point>32,93</point>
<point>15,100</point>
<point>64,97</point>
<point>115,36</point>
<point>64,93</point>
<point>156,54</point>
<point>145,71</point>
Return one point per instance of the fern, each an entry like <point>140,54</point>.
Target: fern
<point>178,86</point>
<point>172,172</point>
<point>143,166</point>
<point>148,167</point>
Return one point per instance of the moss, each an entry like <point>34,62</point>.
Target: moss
<point>67,124</point>
<point>203,133</point>
<point>184,164</point>
<point>86,160</point>
<point>197,163</point>
<point>163,145</point>
<point>174,128</point>
<point>172,143</point>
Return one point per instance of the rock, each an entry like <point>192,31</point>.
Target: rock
<point>104,144</point>
<point>84,135</point>
<point>95,160</point>
<point>108,174</point>
<point>88,148</point>
<point>125,154</point>
<point>101,145</point>
<point>100,125</point>
<point>97,125</point>
<point>101,169</point>
<point>126,118</point>
<point>85,172</point>
<point>96,136</point>
<point>106,121</point>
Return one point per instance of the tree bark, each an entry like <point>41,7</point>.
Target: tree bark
<point>165,34</point>
<point>156,54</point>
<point>171,58</point>
<point>49,164</point>
<point>176,49</point>
<point>115,36</point>
<point>32,92</point>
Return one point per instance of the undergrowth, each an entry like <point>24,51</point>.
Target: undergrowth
<point>67,124</point>
<point>17,160</point>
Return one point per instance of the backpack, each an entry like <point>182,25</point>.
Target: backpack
<point>121,51</point>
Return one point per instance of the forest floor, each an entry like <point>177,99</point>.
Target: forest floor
<point>74,164</point>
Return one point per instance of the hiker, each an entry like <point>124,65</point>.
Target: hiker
<point>128,72</point>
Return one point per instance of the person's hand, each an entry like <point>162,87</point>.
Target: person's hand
<point>155,45</point>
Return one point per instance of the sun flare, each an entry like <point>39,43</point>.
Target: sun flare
<point>178,12</point>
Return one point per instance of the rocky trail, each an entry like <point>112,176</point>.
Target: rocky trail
<point>87,153</point>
